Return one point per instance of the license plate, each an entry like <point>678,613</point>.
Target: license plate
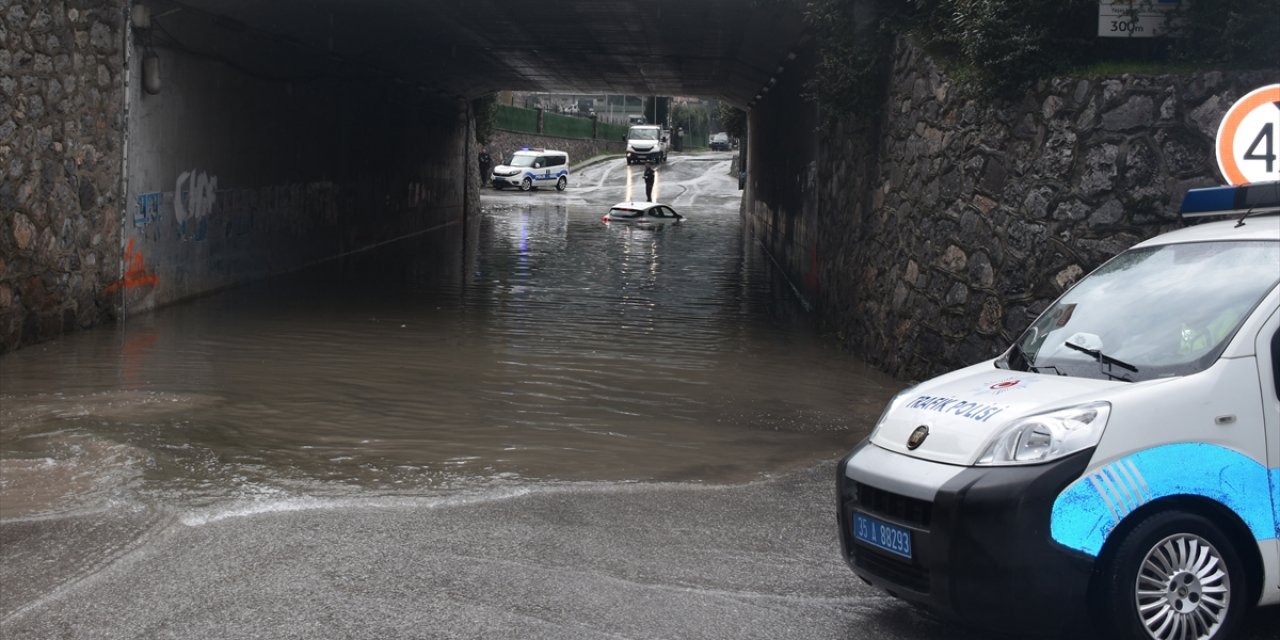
<point>882,535</point>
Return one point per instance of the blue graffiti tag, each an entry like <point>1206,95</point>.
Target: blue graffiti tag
<point>148,209</point>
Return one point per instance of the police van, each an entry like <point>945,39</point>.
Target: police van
<point>1121,460</point>
<point>533,168</point>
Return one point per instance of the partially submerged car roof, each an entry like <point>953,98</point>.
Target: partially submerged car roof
<point>637,206</point>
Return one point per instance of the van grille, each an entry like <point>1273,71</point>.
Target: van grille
<point>912,511</point>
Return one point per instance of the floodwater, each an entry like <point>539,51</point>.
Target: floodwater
<point>550,347</point>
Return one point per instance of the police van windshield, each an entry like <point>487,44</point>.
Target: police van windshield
<point>643,134</point>
<point>522,161</point>
<point>1152,312</point>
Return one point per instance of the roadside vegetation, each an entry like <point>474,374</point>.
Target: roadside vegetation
<point>999,48</point>
<point>486,110</point>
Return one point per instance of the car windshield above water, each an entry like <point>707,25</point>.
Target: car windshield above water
<point>643,134</point>
<point>522,161</point>
<point>1151,312</point>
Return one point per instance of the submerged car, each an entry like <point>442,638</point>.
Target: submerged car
<point>1121,458</point>
<point>719,141</point>
<point>642,213</point>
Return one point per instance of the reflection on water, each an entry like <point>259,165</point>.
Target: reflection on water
<point>554,348</point>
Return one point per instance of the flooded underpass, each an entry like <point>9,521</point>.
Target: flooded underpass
<point>557,348</point>
<point>552,355</point>
<point>560,428</point>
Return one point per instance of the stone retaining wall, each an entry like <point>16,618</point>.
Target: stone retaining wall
<point>976,215</point>
<point>61,116</point>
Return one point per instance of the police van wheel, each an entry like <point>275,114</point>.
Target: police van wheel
<point>561,184</point>
<point>1174,576</point>
<point>526,184</point>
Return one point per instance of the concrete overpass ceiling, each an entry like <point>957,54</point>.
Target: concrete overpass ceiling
<point>713,48</point>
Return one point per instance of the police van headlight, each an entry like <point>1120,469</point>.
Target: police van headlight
<point>1047,436</point>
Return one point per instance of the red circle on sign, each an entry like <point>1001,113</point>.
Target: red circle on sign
<point>1231,123</point>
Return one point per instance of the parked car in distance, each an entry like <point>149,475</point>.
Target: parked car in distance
<point>720,141</point>
<point>641,213</point>
<point>533,168</point>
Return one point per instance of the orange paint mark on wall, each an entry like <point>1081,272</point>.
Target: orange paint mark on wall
<point>135,274</point>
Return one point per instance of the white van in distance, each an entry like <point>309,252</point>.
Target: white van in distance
<point>531,169</point>
<point>646,143</point>
<point>1120,461</point>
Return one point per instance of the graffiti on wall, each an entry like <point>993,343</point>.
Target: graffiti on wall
<point>194,196</point>
<point>135,274</point>
<point>148,208</point>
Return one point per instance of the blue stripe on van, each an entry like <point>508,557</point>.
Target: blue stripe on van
<point>1086,512</point>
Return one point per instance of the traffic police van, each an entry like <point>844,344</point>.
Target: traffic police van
<point>533,168</point>
<point>1121,459</point>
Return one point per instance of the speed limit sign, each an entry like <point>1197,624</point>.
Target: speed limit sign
<point>1249,138</point>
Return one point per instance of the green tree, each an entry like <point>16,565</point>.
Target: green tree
<point>1002,47</point>
<point>485,109</point>
<point>733,120</point>
<point>662,110</point>
<point>695,119</point>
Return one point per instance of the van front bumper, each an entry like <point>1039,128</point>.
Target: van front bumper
<point>981,547</point>
<point>508,181</point>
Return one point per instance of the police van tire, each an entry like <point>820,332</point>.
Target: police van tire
<point>526,184</point>
<point>561,183</point>
<point>1174,567</point>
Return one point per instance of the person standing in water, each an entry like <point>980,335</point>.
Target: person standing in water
<point>649,176</point>
<point>486,162</point>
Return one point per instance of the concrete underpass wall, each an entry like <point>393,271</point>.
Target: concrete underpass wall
<point>929,239</point>
<point>779,206</point>
<point>258,157</point>
<point>61,106</point>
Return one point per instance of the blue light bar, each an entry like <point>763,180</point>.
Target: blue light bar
<point>1261,197</point>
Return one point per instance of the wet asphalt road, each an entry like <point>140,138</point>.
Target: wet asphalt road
<point>578,561</point>
<point>574,561</point>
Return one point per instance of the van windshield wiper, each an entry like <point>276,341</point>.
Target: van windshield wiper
<point>1104,359</point>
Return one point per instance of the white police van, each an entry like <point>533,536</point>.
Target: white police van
<point>1120,460</point>
<point>533,168</point>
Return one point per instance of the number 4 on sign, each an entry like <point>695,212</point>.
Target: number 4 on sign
<point>1264,146</point>
<point>1248,144</point>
